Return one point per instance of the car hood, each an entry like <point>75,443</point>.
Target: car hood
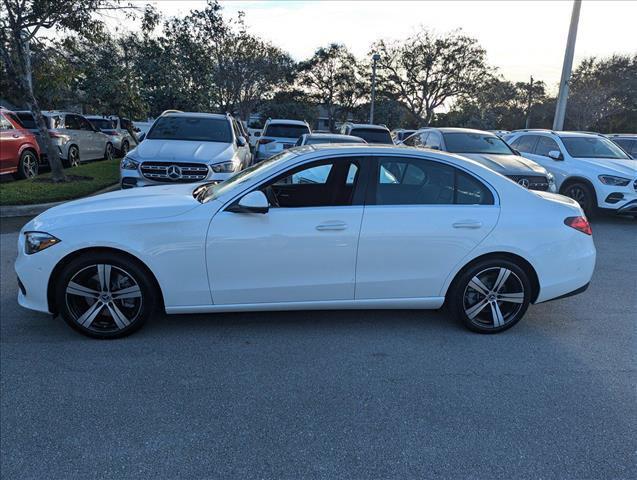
<point>182,151</point>
<point>507,164</point>
<point>623,168</point>
<point>130,205</point>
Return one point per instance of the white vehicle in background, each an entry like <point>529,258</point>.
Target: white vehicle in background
<point>378,134</point>
<point>318,138</point>
<point>400,134</point>
<point>255,134</point>
<point>278,135</point>
<point>184,147</point>
<point>587,167</point>
<point>118,129</point>
<point>359,226</point>
<point>628,141</point>
<point>499,133</point>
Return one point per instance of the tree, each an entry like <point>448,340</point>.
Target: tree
<point>426,71</point>
<point>292,104</point>
<point>332,78</point>
<point>22,24</point>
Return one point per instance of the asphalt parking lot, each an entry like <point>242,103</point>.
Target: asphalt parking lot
<point>368,394</point>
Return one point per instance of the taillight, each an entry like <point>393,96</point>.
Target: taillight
<point>111,132</point>
<point>263,141</point>
<point>579,223</point>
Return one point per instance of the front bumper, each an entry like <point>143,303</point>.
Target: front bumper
<point>618,199</point>
<point>33,273</point>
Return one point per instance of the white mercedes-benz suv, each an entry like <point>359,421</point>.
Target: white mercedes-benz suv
<point>317,227</point>
<point>185,147</point>
<point>587,167</point>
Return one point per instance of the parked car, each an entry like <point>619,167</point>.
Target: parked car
<point>185,147</point>
<point>378,227</point>
<point>628,141</point>
<point>19,150</point>
<point>27,120</point>
<point>278,134</point>
<point>317,138</point>
<point>369,133</point>
<point>500,133</point>
<point>255,134</point>
<point>400,134</point>
<point>587,167</point>
<point>75,137</point>
<point>487,149</point>
<point>119,131</point>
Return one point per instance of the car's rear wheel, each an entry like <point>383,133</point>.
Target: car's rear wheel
<point>73,158</point>
<point>28,165</point>
<point>124,150</point>
<point>490,296</point>
<point>108,152</point>
<point>582,194</point>
<point>105,296</point>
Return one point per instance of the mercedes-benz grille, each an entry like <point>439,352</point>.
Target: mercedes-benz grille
<point>532,182</point>
<point>174,172</point>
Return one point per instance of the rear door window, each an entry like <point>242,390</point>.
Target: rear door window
<point>285,131</point>
<point>545,145</point>
<point>525,143</point>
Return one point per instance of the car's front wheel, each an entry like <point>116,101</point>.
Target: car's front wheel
<point>28,165</point>
<point>490,296</point>
<point>103,295</point>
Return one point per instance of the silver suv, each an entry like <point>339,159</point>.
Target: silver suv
<point>76,138</point>
<point>118,129</point>
<point>488,149</point>
<point>184,147</point>
<point>368,132</point>
<point>278,135</point>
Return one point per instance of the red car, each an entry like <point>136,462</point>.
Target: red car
<point>19,150</point>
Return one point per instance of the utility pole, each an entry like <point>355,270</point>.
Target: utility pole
<point>375,59</point>
<point>560,108</point>
<point>529,104</point>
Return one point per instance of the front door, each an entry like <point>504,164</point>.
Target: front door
<point>422,218</point>
<point>302,250</point>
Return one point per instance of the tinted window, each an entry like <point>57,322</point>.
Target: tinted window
<point>85,124</point>
<point>412,181</point>
<point>286,131</point>
<point>199,129</point>
<point>372,135</point>
<point>525,143</point>
<point>627,144</point>
<point>27,119</point>
<point>320,184</point>
<point>475,143</point>
<point>545,145</point>
<point>433,141</point>
<point>318,140</point>
<point>103,123</point>
<point>72,122</point>
<point>592,147</point>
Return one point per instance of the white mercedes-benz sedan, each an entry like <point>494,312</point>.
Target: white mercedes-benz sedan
<point>315,227</point>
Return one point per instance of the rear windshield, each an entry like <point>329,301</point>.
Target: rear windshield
<point>475,143</point>
<point>191,128</point>
<point>286,131</point>
<point>26,119</point>
<point>592,147</point>
<point>103,123</point>
<point>347,139</point>
<point>372,135</point>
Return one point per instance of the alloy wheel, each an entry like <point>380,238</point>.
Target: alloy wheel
<point>493,297</point>
<point>577,193</point>
<point>74,157</point>
<point>103,298</point>
<point>125,149</point>
<point>29,165</point>
<point>108,155</point>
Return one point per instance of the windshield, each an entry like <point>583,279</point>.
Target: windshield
<point>344,139</point>
<point>199,129</point>
<point>592,147</point>
<point>475,143</point>
<point>286,131</point>
<point>103,123</point>
<point>373,135</point>
<point>205,193</point>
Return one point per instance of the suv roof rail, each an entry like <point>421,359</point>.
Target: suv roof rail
<point>533,130</point>
<point>165,112</point>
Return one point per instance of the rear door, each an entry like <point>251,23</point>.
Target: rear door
<point>73,127</point>
<point>422,218</point>
<point>10,141</point>
<point>95,140</point>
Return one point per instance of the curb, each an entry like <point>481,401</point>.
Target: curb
<point>9,211</point>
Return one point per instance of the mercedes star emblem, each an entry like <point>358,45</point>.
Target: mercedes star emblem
<point>174,172</point>
<point>524,182</point>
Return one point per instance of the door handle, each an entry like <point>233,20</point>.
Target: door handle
<point>331,226</point>
<point>467,224</point>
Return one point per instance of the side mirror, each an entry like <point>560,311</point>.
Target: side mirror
<point>516,152</point>
<point>241,141</point>
<point>253,202</point>
<point>556,155</point>
<point>141,137</point>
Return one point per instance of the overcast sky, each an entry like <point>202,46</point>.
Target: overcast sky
<point>522,38</point>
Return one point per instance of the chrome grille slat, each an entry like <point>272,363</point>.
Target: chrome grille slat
<point>174,171</point>
<point>536,182</point>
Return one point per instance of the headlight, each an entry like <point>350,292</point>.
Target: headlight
<point>129,164</point>
<point>38,241</point>
<point>614,181</point>
<point>225,167</point>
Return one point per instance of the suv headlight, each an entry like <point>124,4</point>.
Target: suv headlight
<point>225,167</point>
<point>614,181</point>
<point>37,241</point>
<point>129,164</point>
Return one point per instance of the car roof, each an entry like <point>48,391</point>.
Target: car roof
<point>460,130</point>
<point>328,135</point>
<point>196,114</point>
<point>368,126</point>
<point>275,121</point>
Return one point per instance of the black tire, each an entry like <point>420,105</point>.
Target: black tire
<point>96,312</point>
<point>73,157</point>
<point>477,304</point>
<point>28,166</point>
<point>124,150</point>
<point>583,194</point>
<point>108,151</point>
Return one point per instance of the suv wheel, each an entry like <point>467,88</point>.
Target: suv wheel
<point>582,194</point>
<point>490,296</point>
<point>28,165</point>
<point>108,153</point>
<point>73,159</point>
<point>124,150</point>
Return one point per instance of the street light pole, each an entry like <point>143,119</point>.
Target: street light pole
<point>560,108</point>
<point>375,58</point>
